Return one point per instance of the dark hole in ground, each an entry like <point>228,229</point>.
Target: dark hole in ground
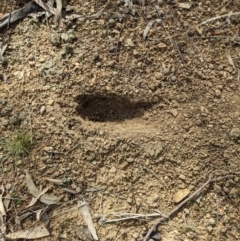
<point>109,108</point>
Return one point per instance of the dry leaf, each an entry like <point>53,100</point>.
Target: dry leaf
<point>180,195</point>
<point>47,199</point>
<point>84,234</point>
<point>34,199</point>
<point>83,208</point>
<point>146,30</point>
<point>35,232</point>
<point>199,30</point>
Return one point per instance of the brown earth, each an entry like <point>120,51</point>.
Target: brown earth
<point>141,119</point>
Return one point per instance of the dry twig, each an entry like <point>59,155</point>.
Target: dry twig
<point>174,210</point>
<point>218,17</point>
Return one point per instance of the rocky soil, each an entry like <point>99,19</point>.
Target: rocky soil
<point>127,121</point>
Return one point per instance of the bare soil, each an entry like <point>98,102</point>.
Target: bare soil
<point>139,119</point>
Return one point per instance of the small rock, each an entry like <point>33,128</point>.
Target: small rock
<point>129,200</point>
<point>41,60</point>
<point>68,37</point>
<point>111,49</point>
<point>180,195</point>
<point>14,120</point>
<point>158,75</point>
<point>166,70</point>
<point>5,122</point>
<point>211,221</point>
<point>111,63</point>
<point>96,56</point>
<point>174,112</point>
<point>217,93</point>
<point>135,235</point>
<point>217,188</point>
<point>111,23</point>
<point>112,170</point>
<point>42,110</point>
<point>50,102</point>
<point>56,40</point>
<point>2,101</point>
<point>18,75</point>
<point>226,190</point>
<point>233,191</point>
<point>235,133</point>
<point>211,66</point>
<point>8,186</point>
<point>209,229</point>
<point>158,151</point>
<point>130,160</point>
<point>129,43</point>
<point>181,176</point>
<point>19,163</point>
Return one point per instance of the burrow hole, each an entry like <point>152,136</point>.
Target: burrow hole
<point>109,108</point>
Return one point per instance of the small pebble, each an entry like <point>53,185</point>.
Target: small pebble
<point>42,110</point>
<point>2,101</point>
<point>135,235</point>
<point>211,221</point>
<point>8,186</point>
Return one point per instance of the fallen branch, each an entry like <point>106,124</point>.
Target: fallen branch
<point>19,14</point>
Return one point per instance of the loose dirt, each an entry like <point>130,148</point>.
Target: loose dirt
<point>139,119</point>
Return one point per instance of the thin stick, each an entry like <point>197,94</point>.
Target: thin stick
<point>177,208</point>
<point>210,180</point>
<point>218,17</point>
<point>72,149</point>
<point>136,216</point>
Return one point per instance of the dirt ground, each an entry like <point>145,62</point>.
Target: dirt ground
<point>127,121</point>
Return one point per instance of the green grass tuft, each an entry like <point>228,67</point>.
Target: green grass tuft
<point>19,146</point>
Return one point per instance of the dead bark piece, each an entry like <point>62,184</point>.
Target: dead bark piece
<point>58,16</point>
<point>47,7</point>
<point>83,208</point>
<point>55,181</point>
<point>38,231</point>
<point>19,14</point>
<point>3,46</point>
